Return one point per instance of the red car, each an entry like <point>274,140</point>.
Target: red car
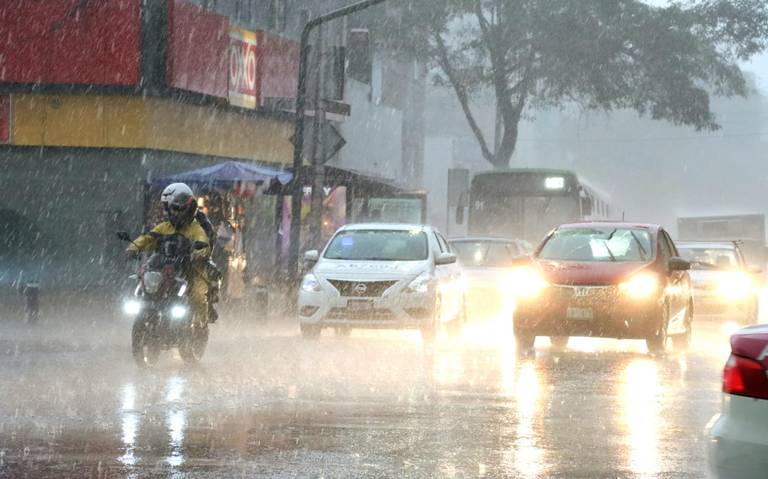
<point>607,280</point>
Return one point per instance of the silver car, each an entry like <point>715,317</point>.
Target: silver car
<point>392,276</point>
<point>723,284</point>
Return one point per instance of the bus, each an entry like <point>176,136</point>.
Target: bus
<point>527,203</point>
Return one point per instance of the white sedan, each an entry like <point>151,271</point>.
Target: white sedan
<point>738,437</point>
<point>374,276</point>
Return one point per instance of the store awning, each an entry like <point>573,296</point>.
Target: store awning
<point>228,173</point>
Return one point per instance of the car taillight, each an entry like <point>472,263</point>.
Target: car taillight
<point>745,377</point>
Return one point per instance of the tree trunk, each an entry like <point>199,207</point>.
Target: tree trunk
<point>508,144</point>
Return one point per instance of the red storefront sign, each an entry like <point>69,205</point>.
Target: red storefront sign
<point>5,119</point>
<point>70,41</point>
<point>243,69</point>
<point>206,55</point>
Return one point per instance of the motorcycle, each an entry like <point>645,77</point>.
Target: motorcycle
<point>161,305</point>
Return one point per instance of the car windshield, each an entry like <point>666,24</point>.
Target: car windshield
<point>598,244</point>
<point>710,258</point>
<point>485,253</point>
<point>378,245</point>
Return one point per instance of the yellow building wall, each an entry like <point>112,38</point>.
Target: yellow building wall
<point>153,123</point>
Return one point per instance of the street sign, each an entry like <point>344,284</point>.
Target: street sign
<point>329,136</point>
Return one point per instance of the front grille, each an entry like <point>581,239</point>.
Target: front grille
<point>376,314</point>
<point>710,286</point>
<point>361,289</point>
<point>586,293</point>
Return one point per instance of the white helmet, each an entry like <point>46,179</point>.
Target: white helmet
<point>179,203</point>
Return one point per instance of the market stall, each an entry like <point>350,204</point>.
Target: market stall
<point>236,198</point>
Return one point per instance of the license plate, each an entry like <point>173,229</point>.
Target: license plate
<point>360,304</point>
<point>579,313</point>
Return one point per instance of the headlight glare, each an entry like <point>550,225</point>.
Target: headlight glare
<point>310,283</point>
<point>641,285</point>
<point>178,311</point>
<point>420,283</point>
<point>734,285</point>
<point>526,282</point>
<point>132,307</point>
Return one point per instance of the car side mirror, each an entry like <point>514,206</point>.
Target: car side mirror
<point>312,256</point>
<point>754,269</point>
<point>123,236</point>
<point>521,260</point>
<point>678,264</point>
<point>445,258</point>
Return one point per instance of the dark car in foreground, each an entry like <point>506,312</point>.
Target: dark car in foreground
<point>738,435</point>
<point>608,280</point>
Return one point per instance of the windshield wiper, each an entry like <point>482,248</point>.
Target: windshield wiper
<point>640,247</point>
<point>608,249</point>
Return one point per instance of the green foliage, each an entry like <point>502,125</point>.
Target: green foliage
<point>663,62</point>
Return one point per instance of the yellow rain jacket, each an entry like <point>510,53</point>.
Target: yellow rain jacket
<point>198,282</point>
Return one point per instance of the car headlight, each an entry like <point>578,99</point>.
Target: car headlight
<point>526,282</point>
<point>132,307</point>
<point>420,284</point>
<point>641,285</point>
<point>734,285</point>
<point>178,311</point>
<point>310,283</point>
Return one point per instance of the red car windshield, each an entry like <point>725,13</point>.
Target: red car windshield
<point>600,244</point>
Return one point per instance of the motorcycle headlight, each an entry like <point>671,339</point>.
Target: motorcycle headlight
<point>641,285</point>
<point>152,281</point>
<point>132,307</point>
<point>179,311</point>
<point>526,282</point>
<point>734,285</point>
<point>420,283</point>
<point>310,283</point>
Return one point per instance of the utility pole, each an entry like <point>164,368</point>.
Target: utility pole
<point>317,150</point>
<point>298,137</point>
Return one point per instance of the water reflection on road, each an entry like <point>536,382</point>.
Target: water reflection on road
<point>377,404</point>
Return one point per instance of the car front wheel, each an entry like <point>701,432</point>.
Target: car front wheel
<point>657,339</point>
<point>524,342</point>
<point>681,342</point>
<point>310,331</point>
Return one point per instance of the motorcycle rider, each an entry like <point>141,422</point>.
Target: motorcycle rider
<point>213,272</point>
<point>180,206</point>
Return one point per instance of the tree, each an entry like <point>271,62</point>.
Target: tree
<point>664,62</point>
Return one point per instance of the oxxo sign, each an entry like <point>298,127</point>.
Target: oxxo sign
<point>243,68</point>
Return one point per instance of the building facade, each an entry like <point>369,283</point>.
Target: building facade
<point>99,98</point>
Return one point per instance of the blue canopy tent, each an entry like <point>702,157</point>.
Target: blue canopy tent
<point>227,174</point>
<point>237,181</point>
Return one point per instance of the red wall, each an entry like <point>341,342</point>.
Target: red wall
<point>278,66</point>
<point>198,43</point>
<point>198,55</point>
<point>70,41</point>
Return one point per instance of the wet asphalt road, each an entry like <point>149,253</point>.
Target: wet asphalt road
<point>266,403</point>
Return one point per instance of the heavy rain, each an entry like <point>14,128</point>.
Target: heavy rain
<point>383,238</point>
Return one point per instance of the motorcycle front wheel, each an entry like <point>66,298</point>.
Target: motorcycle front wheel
<point>193,346</point>
<point>144,345</point>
